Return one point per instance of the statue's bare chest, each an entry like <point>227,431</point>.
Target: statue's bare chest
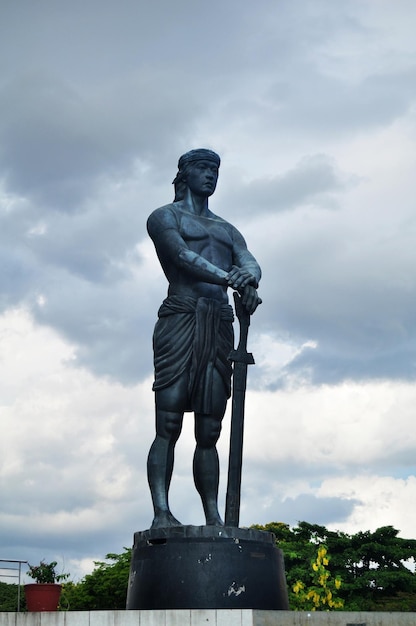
<point>201,232</point>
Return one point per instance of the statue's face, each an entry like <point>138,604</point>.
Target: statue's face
<point>201,178</point>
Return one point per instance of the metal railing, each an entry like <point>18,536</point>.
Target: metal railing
<point>14,566</point>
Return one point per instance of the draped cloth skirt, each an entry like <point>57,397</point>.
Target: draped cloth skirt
<point>193,336</point>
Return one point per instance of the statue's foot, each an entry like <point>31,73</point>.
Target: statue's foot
<point>165,519</point>
<point>214,520</point>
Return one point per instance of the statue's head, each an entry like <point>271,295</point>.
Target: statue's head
<point>186,161</point>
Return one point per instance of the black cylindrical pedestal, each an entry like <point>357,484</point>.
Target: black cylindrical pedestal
<point>206,567</point>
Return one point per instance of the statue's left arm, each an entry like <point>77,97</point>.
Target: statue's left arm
<point>245,270</point>
<point>245,273</point>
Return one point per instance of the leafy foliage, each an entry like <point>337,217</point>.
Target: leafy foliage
<point>105,588</point>
<point>8,597</point>
<point>45,573</point>
<point>371,565</point>
<point>321,593</point>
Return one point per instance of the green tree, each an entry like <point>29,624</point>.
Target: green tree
<point>320,594</point>
<point>105,588</point>
<point>371,565</point>
<point>376,571</point>
<point>8,597</point>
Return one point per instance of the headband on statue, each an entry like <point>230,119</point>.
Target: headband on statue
<point>201,154</point>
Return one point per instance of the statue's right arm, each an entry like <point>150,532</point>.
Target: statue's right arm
<point>172,249</point>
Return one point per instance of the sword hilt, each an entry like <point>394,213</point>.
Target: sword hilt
<point>240,355</point>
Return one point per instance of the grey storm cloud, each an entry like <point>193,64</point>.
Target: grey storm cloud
<point>326,104</point>
<point>56,141</point>
<point>315,180</point>
<point>321,510</point>
<point>110,325</point>
<point>17,276</point>
<point>327,364</point>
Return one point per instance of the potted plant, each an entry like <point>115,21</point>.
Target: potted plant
<point>44,594</point>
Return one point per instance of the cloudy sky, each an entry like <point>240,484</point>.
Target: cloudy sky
<point>312,106</point>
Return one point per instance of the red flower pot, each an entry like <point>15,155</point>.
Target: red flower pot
<point>42,596</point>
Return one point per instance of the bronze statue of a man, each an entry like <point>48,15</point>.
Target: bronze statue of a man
<point>201,255</point>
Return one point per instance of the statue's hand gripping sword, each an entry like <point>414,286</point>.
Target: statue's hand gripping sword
<point>241,358</point>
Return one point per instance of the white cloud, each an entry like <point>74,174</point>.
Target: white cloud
<point>384,501</point>
<point>337,426</point>
<point>327,452</point>
<point>70,443</point>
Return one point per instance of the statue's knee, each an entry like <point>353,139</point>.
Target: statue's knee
<point>209,434</point>
<point>216,431</point>
<point>173,426</point>
<point>168,424</point>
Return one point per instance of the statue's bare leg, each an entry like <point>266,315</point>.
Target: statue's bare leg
<point>206,476</point>
<point>206,463</point>
<point>160,465</point>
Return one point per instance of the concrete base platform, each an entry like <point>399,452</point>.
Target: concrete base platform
<point>206,567</point>
<point>210,617</point>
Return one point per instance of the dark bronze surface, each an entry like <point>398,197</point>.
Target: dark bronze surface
<point>206,567</point>
<point>241,358</point>
<point>202,256</point>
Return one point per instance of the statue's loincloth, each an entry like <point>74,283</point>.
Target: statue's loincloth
<point>195,336</point>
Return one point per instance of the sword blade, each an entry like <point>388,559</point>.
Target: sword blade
<point>241,359</point>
